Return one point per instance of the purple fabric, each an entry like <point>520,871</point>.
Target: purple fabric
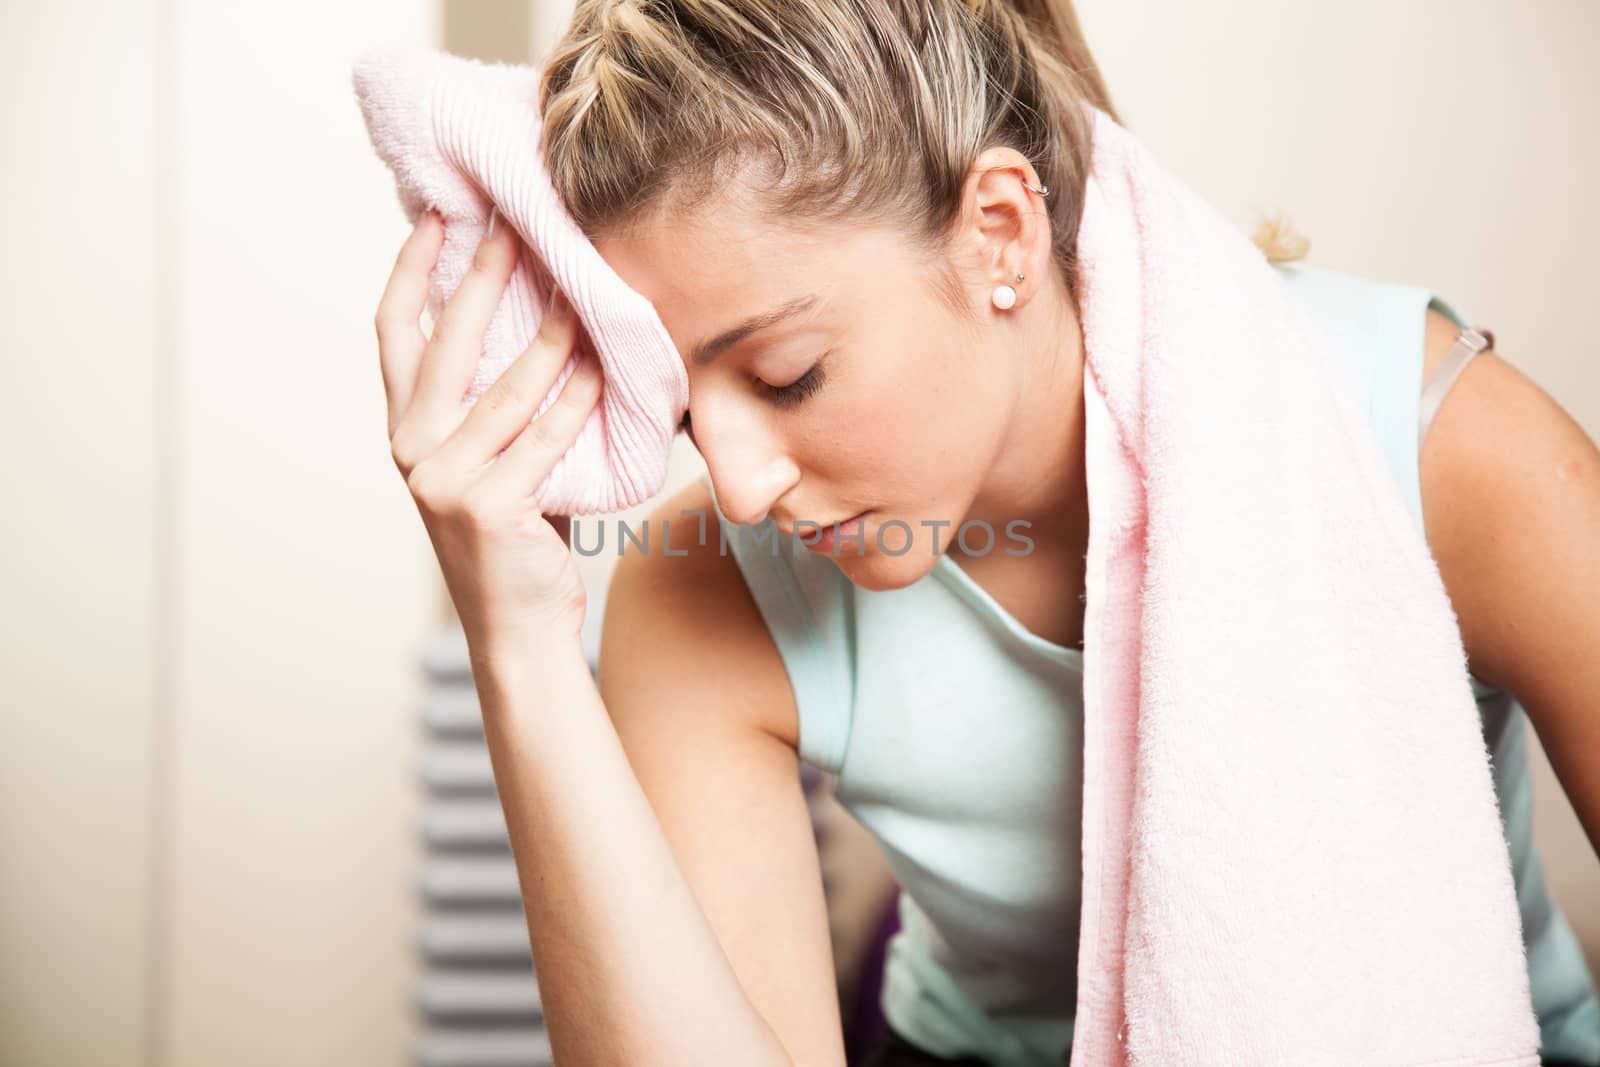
<point>866,1017</point>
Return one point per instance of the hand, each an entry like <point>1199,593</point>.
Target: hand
<point>472,470</point>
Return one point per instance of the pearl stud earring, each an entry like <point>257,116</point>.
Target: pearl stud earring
<point>1004,296</point>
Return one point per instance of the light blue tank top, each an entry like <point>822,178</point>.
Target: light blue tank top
<point>955,735</point>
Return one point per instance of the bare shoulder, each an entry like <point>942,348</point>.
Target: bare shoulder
<point>679,617</point>
<point>1501,472</point>
<point>1449,454</point>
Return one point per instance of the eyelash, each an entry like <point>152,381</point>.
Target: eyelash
<point>784,396</point>
<point>788,396</point>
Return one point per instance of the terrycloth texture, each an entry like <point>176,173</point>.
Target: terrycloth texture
<point>463,136</point>
<point>1278,712</point>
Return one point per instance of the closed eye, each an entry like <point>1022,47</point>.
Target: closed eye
<point>807,385</point>
<point>783,396</point>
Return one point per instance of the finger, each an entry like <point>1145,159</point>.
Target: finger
<point>513,400</point>
<point>398,320</point>
<point>456,347</point>
<point>528,460</point>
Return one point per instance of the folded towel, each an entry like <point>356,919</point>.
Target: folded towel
<point>463,137</point>
<point>1278,712</point>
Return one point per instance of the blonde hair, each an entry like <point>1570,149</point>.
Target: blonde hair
<point>870,109</point>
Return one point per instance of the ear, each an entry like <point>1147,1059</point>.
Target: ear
<point>1006,223</point>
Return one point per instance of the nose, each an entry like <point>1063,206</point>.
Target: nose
<point>748,461</point>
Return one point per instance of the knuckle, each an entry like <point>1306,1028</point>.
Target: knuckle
<point>419,481</point>
<point>506,393</point>
<point>477,506</point>
<point>541,434</point>
<point>404,456</point>
<point>490,258</point>
<point>441,342</point>
<point>402,463</point>
<point>444,330</point>
<point>576,399</point>
<point>429,489</point>
<point>450,335</point>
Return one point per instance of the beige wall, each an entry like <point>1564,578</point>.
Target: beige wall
<point>215,587</point>
<point>303,590</point>
<point>83,577</point>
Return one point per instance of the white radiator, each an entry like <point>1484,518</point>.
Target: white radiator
<point>477,995</point>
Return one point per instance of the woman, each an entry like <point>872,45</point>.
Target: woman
<point>881,333</point>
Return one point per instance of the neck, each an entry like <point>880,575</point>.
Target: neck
<point>1038,473</point>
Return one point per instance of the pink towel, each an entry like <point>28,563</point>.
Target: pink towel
<point>463,137</point>
<point>1291,847</point>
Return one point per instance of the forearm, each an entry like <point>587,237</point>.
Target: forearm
<point>629,969</point>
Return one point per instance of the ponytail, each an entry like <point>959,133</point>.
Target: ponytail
<point>1055,22</point>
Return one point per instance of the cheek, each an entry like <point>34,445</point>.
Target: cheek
<point>916,409</point>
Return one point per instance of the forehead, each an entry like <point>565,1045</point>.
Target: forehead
<point>677,258</point>
<point>726,261</point>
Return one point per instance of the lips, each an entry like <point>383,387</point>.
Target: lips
<point>827,527</point>
<point>825,540</point>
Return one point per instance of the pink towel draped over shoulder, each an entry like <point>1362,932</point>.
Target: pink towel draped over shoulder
<point>1291,847</point>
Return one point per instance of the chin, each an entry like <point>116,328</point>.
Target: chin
<point>878,571</point>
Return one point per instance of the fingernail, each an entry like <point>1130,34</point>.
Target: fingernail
<point>494,213</point>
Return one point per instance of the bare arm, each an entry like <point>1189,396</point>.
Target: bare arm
<point>1511,502</point>
<point>628,938</point>
<point>668,868</point>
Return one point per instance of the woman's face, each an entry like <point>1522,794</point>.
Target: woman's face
<point>864,392</point>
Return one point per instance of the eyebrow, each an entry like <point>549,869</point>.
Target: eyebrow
<point>706,351</point>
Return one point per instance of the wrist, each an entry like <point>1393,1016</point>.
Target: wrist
<point>530,653</point>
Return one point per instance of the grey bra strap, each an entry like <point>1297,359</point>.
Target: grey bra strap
<point>1469,343</point>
